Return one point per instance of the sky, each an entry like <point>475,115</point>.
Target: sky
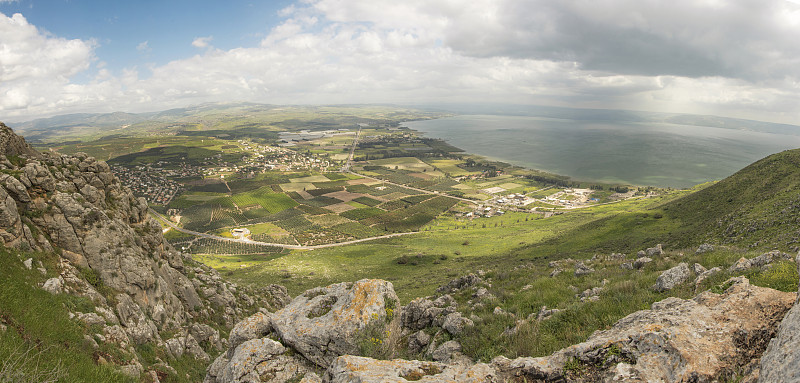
<point>738,58</point>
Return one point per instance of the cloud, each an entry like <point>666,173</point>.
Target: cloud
<point>201,42</point>
<point>143,47</point>
<point>733,58</point>
<point>35,68</point>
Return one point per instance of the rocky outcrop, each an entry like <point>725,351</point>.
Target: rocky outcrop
<point>780,361</point>
<point>708,338</point>
<point>322,323</point>
<point>700,339</point>
<point>356,369</point>
<point>308,334</point>
<point>14,145</point>
<point>112,252</point>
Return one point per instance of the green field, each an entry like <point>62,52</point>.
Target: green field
<point>266,198</point>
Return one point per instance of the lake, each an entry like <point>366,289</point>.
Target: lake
<point>638,153</point>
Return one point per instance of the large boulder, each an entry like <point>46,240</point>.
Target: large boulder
<point>356,369</point>
<point>421,313</point>
<point>323,323</point>
<point>673,277</point>
<point>258,360</point>
<point>678,340</point>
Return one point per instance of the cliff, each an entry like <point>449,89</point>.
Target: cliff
<point>109,250</point>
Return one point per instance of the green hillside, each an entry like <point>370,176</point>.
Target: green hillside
<point>758,206</point>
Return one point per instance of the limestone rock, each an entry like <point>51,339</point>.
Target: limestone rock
<point>417,341</point>
<point>445,352</point>
<point>641,262</point>
<point>699,339</point>
<point>253,327</point>
<point>581,269</point>
<point>769,258</point>
<point>706,274</point>
<point>673,277</point>
<point>704,248</point>
<point>322,323</point>
<point>258,360</point>
<point>460,283</point>
<point>54,285</point>
<point>14,145</point>
<point>698,269</point>
<point>741,265</point>
<point>421,313</point>
<point>455,323</point>
<point>654,251</point>
<point>180,345</point>
<point>780,361</point>
<point>207,335</point>
<point>356,369</point>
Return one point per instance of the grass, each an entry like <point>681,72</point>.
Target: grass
<point>40,340</point>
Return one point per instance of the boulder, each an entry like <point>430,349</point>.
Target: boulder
<point>455,323</point>
<point>641,262</point>
<point>323,323</point>
<point>698,269</point>
<point>581,269</point>
<point>769,258</point>
<point>446,351</point>
<point>743,264</point>
<point>356,369</point>
<point>654,251</point>
<point>180,345</point>
<point>700,340</point>
<point>706,274</point>
<point>673,277</point>
<point>255,361</point>
<point>457,284</point>
<point>253,327</point>
<point>54,285</point>
<point>423,313</point>
<point>417,341</point>
<point>704,248</point>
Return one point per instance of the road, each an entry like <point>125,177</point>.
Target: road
<point>346,167</point>
<point>281,245</point>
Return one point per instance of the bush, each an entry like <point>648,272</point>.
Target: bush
<point>781,276</point>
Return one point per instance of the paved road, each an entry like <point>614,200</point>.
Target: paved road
<point>282,245</point>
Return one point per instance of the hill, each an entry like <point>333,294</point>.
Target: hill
<point>88,280</point>
<point>757,206</point>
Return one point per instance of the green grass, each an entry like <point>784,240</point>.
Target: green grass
<point>266,198</point>
<point>39,332</point>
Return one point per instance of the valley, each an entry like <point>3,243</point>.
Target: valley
<point>534,261</point>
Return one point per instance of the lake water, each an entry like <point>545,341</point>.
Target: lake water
<point>657,154</point>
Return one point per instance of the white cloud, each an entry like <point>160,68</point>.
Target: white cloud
<point>201,42</point>
<point>728,58</point>
<point>144,46</point>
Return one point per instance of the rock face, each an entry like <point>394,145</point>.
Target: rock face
<point>356,369</point>
<point>708,338</point>
<point>780,362</point>
<point>110,251</point>
<point>677,340</point>
<point>322,323</point>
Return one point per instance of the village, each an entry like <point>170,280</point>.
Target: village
<point>151,182</point>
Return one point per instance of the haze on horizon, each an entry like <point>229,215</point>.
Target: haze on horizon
<point>728,58</point>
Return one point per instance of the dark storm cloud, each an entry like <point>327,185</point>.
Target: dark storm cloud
<point>753,40</point>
